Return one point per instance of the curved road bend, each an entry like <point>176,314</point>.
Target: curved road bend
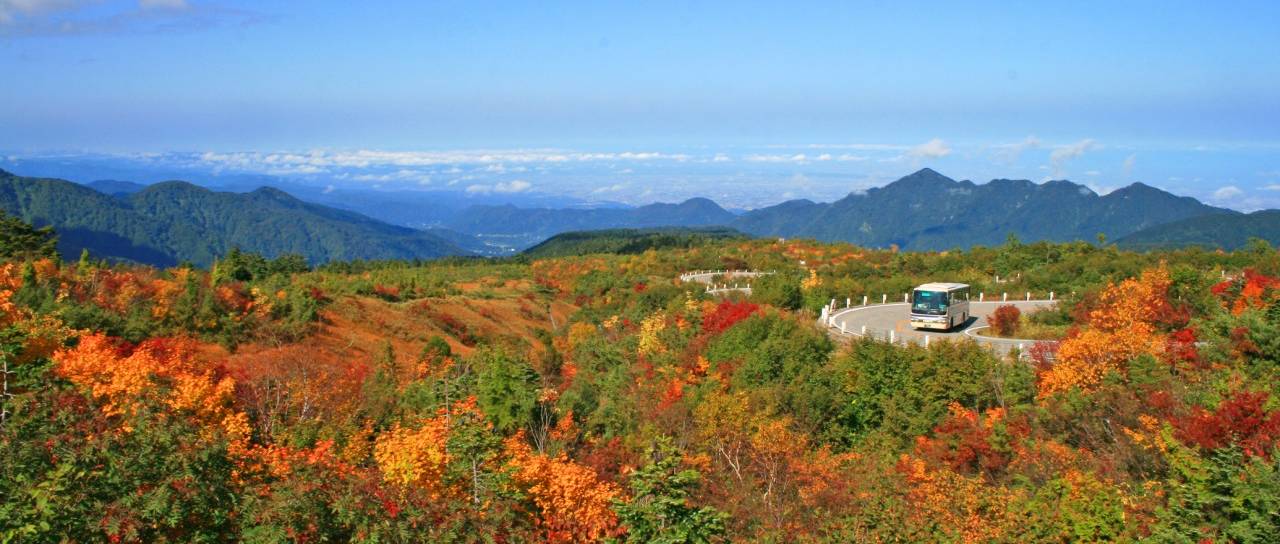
<point>879,319</point>
<point>706,277</point>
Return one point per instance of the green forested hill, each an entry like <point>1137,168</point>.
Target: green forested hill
<point>1213,231</point>
<point>628,241</point>
<point>175,221</point>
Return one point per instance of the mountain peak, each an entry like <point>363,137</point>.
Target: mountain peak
<point>272,192</point>
<point>701,203</point>
<point>922,179</point>
<point>1140,186</point>
<point>926,173</point>
<point>174,185</point>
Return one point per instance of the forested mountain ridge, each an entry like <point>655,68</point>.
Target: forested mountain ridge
<point>175,221</point>
<point>923,211</point>
<point>1225,231</point>
<point>929,211</point>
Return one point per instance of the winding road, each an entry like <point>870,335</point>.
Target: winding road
<point>880,320</point>
<point>706,277</point>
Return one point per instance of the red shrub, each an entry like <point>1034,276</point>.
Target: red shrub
<point>726,315</point>
<point>1250,290</point>
<point>1180,348</point>
<point>963,443</point>
<point>1239,420</point>
<point>1043,353</point>
<point>1005,320</point>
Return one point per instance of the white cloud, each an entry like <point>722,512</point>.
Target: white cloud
<point>517,186</point>
<point>1071,151</point>
<point>609,189</point>
<point>855,147</point>
<point>368,158</point>
<point>798,157</point>
<point>1227,193</point>
<point>1063,154</point>
<point>1010,153</point>
<point>932,149</point>
<point>1273,187</point>
<point>1129,163</point>
<point>11,9</point>
<point>720,157</point>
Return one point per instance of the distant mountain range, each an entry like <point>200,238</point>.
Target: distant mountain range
<point>1225,231</point>
<point>929,211</point>
<point>922,211</point>
<point>169,222</point>
<point>174,221</point>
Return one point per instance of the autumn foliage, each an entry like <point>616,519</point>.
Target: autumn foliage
<point>726,314</point>
<point>1005,320</point>
<point>1241,419</point>
<point>1121,326</point>
<point>597,398</point>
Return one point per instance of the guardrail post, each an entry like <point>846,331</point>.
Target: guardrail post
<point>1004,297</point>
<point>891,337</point>
<point>864,300</point>
<point>848,302</point>
<point>842,324</point>
<point>980,295</point>
<point>1028,295</point>
<point>864,330</point>
<point>926,340</point>
<point>1050,295</point>
<point>884,298</point>
<point>904,297</point>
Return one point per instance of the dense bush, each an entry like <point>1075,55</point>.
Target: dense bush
<point>1005,320</point>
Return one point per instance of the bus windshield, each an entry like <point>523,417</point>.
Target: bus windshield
<point>929,302</point>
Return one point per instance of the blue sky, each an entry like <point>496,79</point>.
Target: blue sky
<point>1184,96</point>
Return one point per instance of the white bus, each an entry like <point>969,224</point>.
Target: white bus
<point>939,306</point>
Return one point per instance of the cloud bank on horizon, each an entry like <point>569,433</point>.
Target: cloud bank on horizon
<point>739,177</point>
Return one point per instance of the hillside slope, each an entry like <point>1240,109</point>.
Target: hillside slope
<point>1212,231</point>
<point>176,221</point>
<point>628,241</point>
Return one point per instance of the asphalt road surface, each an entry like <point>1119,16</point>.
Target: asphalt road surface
<point>879,319</point>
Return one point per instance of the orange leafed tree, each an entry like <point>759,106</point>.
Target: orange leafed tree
<point>415,457</point>
<point>121,378</point>
<point>575,503</point>
<point>1122,326</point>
